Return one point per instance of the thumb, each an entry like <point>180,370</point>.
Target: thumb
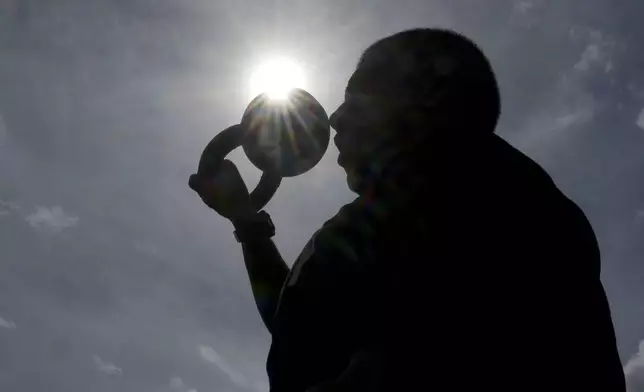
<point>194,182</point>
<point>228,168</point>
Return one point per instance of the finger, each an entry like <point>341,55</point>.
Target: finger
<point>228,175</point>
<point>200,185</point>
<point>208,188</point>
<point>194,182</point>
<point>228,168</point>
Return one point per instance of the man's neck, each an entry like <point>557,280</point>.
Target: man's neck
<point>410,167</point>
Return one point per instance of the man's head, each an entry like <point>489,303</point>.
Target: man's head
<point>407,88</point>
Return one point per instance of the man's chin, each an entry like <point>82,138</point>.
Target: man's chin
<point>353,182</point>
<point>340,161</point>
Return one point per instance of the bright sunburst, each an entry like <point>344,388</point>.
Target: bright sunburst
<point>277,77</point>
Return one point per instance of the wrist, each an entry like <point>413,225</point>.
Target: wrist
<point>244,218</point>
<point>250,227</point>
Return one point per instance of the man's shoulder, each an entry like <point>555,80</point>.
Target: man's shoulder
<point>342,241</point>
<point>351,228</point>
<point>357,208</point>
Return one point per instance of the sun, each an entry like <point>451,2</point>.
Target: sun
<point>277,77</point>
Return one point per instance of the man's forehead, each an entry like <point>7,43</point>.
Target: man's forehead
<point>368,84</point>
<point>351,86</point>
<point>356,96</point>
<point>371,79</point>
<point>355,87</point>
<point>363,87</point>
<point>351,89</point>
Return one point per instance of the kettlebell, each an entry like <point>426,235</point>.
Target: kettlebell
<point>281,137</point>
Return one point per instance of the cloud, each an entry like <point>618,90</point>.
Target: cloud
<point>640,119</point>
<point>523,12</point>
<point>598,52</point>
<point>53,219</point>
<point>106,367</point>
<point>146,248</point>
<point>176,383</point>
<point>570,108</point>
<point>639,216</point>
<point>261,386</point>
<point>634,371</point>
<point>571,105</point>
<point>7,324</point>
<point>210,355</point>
<point>7,207</point>
<point>580,115</point>
<point>524,6</point>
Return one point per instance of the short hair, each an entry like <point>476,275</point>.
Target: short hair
<point>434,67</point>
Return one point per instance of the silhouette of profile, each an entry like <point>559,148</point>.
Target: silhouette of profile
<point>460,265</point>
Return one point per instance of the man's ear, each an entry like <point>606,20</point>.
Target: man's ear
<point>415,123</point>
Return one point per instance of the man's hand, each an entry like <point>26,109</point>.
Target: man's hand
<point>226,192</point>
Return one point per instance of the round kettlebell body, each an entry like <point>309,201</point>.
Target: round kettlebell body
<point>287,136</point>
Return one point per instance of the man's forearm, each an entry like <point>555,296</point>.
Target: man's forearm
<point>267,272</point>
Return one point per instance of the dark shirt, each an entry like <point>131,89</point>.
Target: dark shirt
<point>464,268</point>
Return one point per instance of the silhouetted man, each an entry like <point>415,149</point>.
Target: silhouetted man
<point>460,266</point>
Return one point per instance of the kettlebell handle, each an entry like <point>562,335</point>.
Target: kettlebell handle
<point>223,144</point>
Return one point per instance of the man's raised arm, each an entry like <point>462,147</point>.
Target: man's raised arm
<point>267,272</point>
<point>226,193</point>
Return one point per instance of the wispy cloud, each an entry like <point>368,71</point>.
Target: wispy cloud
<point>7,324</point>
<point>107,367</point>
<point>598,51</point>
<point>571,106</point>
<point>146,248</point>
<point>524,12</point>
<point>639,216</point>
<point>6,207</point>
<point>176,383</point>
<point>580,115</point>
<point>209,354</point>
<point>52,219</point>
<point>524,6</point>
<point>634,371</point>
<point>640,119</point>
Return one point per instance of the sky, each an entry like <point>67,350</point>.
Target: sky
<point>115,277</point>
